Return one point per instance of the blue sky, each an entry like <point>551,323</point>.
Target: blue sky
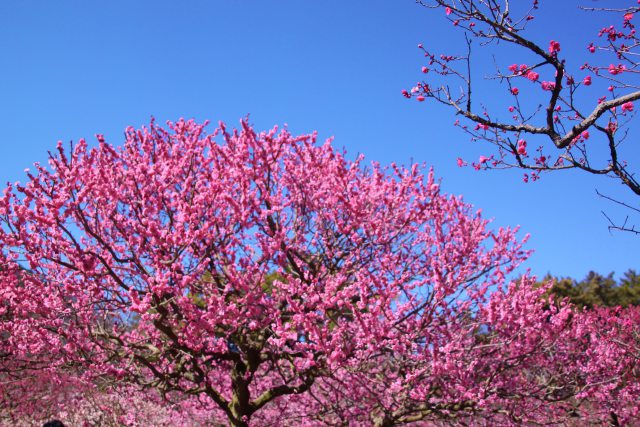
<point>72,69</point>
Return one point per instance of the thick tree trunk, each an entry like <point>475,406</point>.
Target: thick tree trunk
<point>239,422</point>
<point>240,413</point>
<point>240,405</point>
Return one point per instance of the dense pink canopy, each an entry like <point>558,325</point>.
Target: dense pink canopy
<point>268,280</point>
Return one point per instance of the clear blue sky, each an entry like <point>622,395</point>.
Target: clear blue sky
<point>71,69</point>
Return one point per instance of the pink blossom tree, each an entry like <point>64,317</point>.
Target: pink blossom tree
<point>86,404</point>
<point>558,111</point>
<point>269,280</point>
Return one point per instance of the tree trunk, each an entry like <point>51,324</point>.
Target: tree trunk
<point>240,405</point>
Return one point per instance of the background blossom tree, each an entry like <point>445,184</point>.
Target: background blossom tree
<point>558,112</point>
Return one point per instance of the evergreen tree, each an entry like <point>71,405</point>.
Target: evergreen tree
<point>598,290</point>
